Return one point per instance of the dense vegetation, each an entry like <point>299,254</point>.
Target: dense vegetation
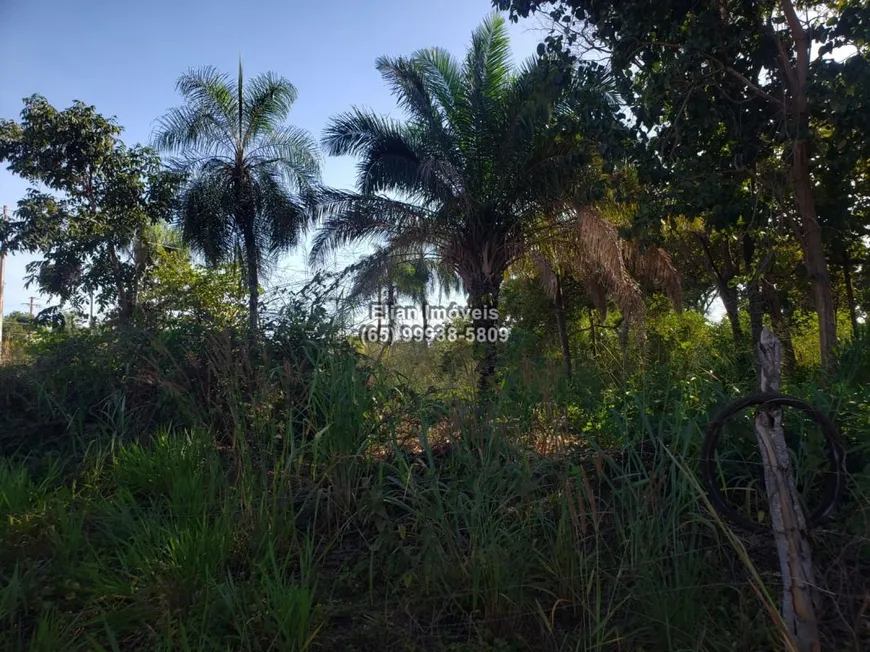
<point>196,462</point>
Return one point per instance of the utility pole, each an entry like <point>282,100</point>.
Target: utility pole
<point>2,285</point>
<point>32,304</point>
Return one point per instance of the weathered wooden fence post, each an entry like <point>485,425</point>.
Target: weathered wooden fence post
<point>800,598</point>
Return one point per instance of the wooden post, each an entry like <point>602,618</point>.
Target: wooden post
<point>800,598</point>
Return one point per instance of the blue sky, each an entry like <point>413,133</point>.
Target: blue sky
<point>124,58</point>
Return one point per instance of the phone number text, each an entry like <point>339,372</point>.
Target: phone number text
<point>416,333</point>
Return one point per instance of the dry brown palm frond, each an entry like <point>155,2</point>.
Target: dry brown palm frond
<point>586,244</point>
<point>654,265</point>
<point>597,254</point>
<point>546,273</point>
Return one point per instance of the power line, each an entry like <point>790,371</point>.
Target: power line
<point>32,304</point>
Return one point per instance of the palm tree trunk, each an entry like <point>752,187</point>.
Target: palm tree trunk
<point>483,301</point>
<point>380,311</point>
<point>254,295</point>
<point>623,336</point>
<point>424,306</point>
<point>253,283</point>
<point>561,327</point>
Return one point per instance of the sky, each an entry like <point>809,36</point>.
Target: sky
<point>124,58</point>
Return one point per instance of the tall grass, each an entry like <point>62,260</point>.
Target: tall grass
<point>304,520</point>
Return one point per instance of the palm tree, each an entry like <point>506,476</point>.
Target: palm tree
<point>249,173</point>
<point>418,276</point>
<point>404,275</point>
<point>483,152</point>
<point>585,245</point>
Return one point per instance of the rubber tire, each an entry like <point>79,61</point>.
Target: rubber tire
<point>835,480</point>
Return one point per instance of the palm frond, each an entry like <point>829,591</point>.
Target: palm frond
<point>443,79</point>
<point>372,273</point>
<point>545,272</point>
<point>204,221</point>
<point>654,266</point>
<point>294,152</point>
<point>283,216</point>
<point>190,128</point>
<point>352,133</point>
<point>351,217</point>
<point>210,92</point>
<point>267,100</point>
<point>487,64</point>
<point>410,85</point>
<point>599,254</point>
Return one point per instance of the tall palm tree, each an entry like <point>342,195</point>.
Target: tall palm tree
<point>249,173</point>
<point>484,150</point>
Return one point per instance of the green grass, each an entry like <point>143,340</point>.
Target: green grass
<point>324,530</point>
<point>157,547</point>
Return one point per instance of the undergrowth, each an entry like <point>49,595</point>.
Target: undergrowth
<point>294,498</point>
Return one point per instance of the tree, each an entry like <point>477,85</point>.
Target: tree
<point>90,233</point>
<point>588,248</point>
<point>179,291</point>
<point>404,274</point>
<point>249,173</point>
<point>483,153</point>
<point>842,158</point>
<point>18,328</point>
<point>753,59</point>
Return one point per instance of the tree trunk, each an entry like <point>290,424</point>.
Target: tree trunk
<point>125,304</point>
<point>483,302</point>
<point>253,294</point>
<point>424,307</point>
<point>391,313</point>
<point>730,302</point>
<point>780,325</point>
<point>810,235</point>
<point>253,280</point>
<point>754,291</point>
<point>756,311</point>
<point>850,294</point>
<point>623,336</point>
<point>727,293</point>
<point>562,327</point>
<point>380,310</point>
<point>809,230</point>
